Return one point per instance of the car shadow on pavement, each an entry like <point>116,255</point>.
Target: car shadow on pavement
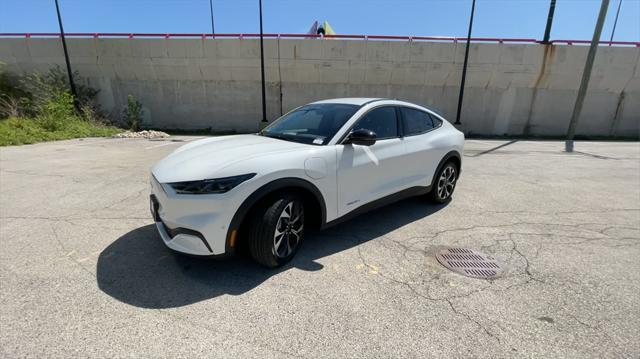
<point>139,270</point>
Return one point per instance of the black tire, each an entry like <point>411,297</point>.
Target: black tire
<point>444,183</point>
<point>263,238</point>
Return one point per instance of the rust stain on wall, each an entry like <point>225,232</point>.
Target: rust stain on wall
<point>549,51</point>
<point>617,115</point>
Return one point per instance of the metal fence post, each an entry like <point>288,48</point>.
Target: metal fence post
<point>584,83</point>
<point>464,66</point>
<point>547,29</point>
<point>615,23</point>
<point>72,85</point>
<point>264,98</point>
<point>213,29</point>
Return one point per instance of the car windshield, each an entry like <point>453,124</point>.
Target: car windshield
<point>312,124</point>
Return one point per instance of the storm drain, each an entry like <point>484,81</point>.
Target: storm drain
<point>469,263</point>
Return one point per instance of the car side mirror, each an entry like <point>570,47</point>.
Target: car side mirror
<point>362,137</point>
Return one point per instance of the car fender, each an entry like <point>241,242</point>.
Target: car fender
<point>264,191</point>
<point>443,161</point>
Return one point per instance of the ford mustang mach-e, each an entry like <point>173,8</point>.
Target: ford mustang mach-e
<point>313,167</point>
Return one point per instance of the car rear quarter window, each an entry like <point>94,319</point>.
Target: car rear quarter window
<point>416,122</point>
<point>381,120</point>
<point>436,121</point>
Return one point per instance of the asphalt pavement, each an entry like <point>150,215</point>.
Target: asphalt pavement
<point>83,272</point>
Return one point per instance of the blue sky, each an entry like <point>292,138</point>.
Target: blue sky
<point>574,19</point>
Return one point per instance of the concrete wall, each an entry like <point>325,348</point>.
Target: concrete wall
<point>195,83</point>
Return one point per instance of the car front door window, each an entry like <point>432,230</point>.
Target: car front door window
<point>382,121</point>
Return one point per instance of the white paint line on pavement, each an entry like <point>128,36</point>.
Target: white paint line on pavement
<point>173,142</point>
<point>99,141</point>
<point>162,144</point>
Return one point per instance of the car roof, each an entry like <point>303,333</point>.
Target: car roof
<point>361,101</point>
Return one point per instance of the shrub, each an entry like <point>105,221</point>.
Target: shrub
<point>10,84</point>
<point>14,100</point>
<point>10,106</point>
<point>44,87</point>
<point>39,107</point>
<point>132,114</point>
<point>56,111</point>
<point>89,113</point>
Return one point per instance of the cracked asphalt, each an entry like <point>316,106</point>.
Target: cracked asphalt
<point>84,274</point>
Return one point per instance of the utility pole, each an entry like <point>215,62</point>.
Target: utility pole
<point>547,29</point>
<point>464,66</point>
<point>72,86</point>
<point>264,98</point>
<point>213,29</point>
<point>584,83</point>
<point>615,23</point>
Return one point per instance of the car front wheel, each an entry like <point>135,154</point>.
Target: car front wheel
<point>277,230</point>
<point>444,184</point>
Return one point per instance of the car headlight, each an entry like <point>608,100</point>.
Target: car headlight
<point>217,185</point>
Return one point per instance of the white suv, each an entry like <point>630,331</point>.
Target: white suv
<point>313,167</point>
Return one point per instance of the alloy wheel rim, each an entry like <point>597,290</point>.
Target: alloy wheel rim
<point>446,182</point>
<point>288,232</point>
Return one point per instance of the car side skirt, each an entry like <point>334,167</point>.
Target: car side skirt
<point>384,201</point>
<point>395,197</point>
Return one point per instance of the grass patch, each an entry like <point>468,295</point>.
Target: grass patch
<point>21,131</point>
<point>39,107</point>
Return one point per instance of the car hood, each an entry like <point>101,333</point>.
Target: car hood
<point>204,159</point>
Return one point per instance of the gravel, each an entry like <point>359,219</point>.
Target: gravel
<point>142,134</point>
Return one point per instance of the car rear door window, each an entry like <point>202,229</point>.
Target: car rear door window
<point>415,121</point>
<point>382,121</point>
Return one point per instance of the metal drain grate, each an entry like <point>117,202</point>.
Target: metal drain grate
<point>469,263</point>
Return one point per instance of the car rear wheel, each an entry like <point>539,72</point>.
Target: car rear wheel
<point>444,184</point>
<point>277,230</point>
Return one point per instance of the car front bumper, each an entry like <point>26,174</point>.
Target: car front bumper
<point>192,224</point>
